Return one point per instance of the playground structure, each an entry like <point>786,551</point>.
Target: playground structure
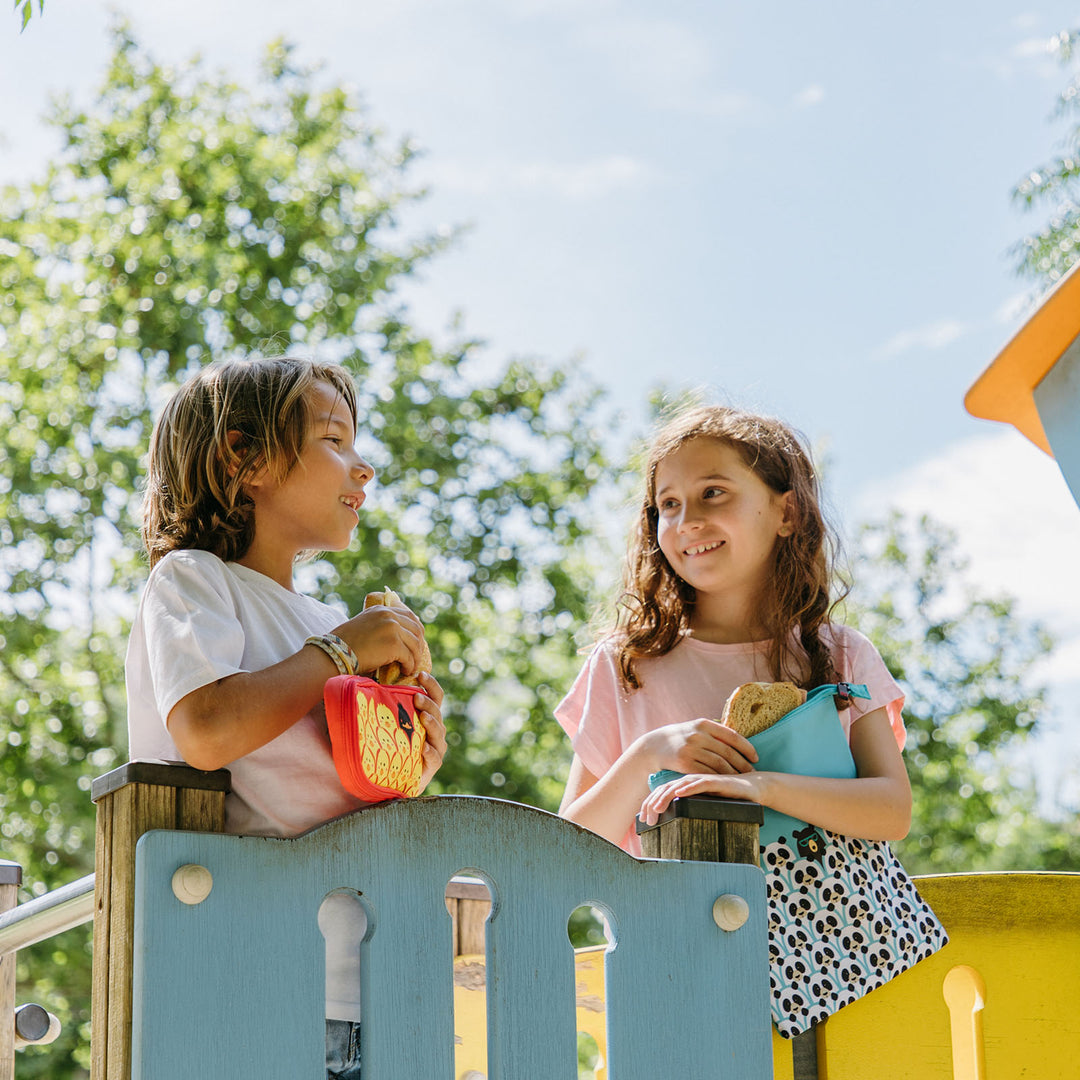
<point>207,954</point>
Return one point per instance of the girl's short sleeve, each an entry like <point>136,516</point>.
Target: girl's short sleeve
<point>859,661</point>
<point>590,712</point>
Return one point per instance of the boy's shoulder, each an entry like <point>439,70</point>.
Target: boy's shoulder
<point>188,560</point>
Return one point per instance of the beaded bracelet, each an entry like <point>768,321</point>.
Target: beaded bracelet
<point>345,660</point>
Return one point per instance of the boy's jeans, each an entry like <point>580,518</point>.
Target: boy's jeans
<point>342,1050</point>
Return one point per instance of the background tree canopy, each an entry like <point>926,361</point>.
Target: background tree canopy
<point>188,219</point>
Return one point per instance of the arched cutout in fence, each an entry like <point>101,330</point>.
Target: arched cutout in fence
<point>590,935</point>
<point>469,903</point>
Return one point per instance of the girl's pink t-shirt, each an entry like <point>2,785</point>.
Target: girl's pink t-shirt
<point>694,680</point>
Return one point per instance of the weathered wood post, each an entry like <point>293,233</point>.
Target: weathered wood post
<point>705,828</point>
<point>708,828</point>
<point>132,800</point>
<point>10,880</point>
<point>468,903</point>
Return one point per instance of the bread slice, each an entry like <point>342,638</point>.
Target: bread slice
<point>390,674</point>
<point>755,706</point>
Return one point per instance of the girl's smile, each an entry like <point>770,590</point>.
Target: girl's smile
<point>717,526</point>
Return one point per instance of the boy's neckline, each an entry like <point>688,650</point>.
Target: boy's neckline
<point>258,576</point>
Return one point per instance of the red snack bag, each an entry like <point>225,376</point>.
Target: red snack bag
<point>377,744</point>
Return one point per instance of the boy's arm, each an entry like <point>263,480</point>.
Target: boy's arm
<point>224,720</point>
<point>876,805</point>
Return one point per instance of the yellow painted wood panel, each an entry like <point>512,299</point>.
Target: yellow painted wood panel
<point>1021,933</point>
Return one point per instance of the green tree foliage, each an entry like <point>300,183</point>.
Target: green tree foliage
<point>1054,186</point>
<point>25,9</point>
<point>188,219</point>
<point>972,704</point>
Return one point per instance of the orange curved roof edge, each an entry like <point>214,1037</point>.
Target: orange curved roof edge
<point>1004,391</point>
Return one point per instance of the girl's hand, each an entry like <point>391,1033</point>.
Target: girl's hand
<point>429,713</point>
<point>382,635</point>
<point>737,786</point>
<point>700,746</point>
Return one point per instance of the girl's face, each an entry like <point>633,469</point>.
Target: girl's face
<point>316,507</point>
<point>718,521</point>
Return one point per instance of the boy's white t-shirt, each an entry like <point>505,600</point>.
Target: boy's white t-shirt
<point>200,620</point>
<point>694,680</point>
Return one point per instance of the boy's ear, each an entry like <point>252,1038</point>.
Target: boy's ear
<point>787,522</point>
<point>237,455</point>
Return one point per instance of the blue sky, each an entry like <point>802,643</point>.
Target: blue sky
<point>803,208</point>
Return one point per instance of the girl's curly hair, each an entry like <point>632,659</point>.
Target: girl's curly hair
<point>227,422</point>
<point>656,604</point>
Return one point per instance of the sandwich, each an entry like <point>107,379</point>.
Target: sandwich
<point>755,706</point>
<point>391,674</point>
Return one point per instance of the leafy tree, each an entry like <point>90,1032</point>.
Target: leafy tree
<point>189,219</point>
<point>1046,255</point>
<point>964,661</point>
<point>26,10</point>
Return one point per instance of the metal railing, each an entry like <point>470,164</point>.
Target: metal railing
<point>24,925</point>
<point>46,916</point>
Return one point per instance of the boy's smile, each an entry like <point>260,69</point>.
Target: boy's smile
<point>317,506</point>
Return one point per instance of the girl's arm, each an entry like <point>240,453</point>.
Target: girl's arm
<point>224,720</point>
<point>876,805</point>
<point>607,805</point>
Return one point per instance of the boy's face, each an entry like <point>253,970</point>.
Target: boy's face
<point>316,507</point>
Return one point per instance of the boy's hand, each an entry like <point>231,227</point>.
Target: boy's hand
<point>429,713</point>
<point>383,635</point>
<point>700,746</point>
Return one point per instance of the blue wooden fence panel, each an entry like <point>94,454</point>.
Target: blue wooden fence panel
<point>233,986</point>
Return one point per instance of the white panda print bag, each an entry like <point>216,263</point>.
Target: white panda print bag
<point>844,917</point>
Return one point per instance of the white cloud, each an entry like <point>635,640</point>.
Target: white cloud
<point>576,181</point>
<point>935,335</point>
<point>1019,527</point>
<point>1013,513</point>
<point>808,96</point>
<point>1015,308</point>
<point>1038,48</point>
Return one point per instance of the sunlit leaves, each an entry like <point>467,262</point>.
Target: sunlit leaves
<point>969,667</point>
<point>1054,187</point>
<point>187,218</point>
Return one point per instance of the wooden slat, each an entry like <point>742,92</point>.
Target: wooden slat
<point>99,1002</point>
<point>9,897</point>
<point>200,810</point>
<point>132,800</point>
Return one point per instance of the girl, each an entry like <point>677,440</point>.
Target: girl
<point>252,466</point>
<point>727,582</point>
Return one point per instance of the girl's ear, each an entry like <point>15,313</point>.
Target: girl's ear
<point>787,522</point>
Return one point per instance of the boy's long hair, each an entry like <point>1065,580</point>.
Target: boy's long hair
<point>656,604</point>
<point>223,425</point>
